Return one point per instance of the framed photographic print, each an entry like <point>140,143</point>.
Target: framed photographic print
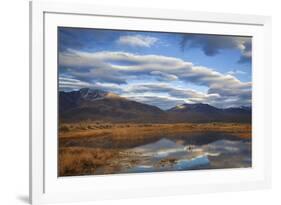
<point>127,102</point>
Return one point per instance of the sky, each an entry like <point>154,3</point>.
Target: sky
<point>157,68</point>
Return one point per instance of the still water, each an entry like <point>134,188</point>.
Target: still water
<point>174,155</point>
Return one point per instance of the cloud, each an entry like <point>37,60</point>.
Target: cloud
<point>164,76</point>
<point>166,88</point>
<point>236,72</point>
<point>121,69</point>
<point>172,94</point>
<point>212,45</point>
<point>137,40</point>
<point>162,102</point>
<point>245,48</point>
<point>68,84</point>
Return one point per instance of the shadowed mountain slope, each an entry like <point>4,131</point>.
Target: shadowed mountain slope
<point>87,104</point>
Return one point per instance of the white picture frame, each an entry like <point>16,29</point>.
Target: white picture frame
<point>46,187</point>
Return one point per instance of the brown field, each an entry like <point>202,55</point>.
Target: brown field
<point>86,147</point>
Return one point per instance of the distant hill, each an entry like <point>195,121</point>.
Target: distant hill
<point>206,113</point>
<point>99,105</point>
<point>88,104</point>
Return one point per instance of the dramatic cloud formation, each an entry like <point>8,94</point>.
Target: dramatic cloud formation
<point>150,67</point>
<point>137,40</point>
<point>153,79</point>
<point>214,44</point>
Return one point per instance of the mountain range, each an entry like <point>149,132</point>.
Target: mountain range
<point>99,105</point>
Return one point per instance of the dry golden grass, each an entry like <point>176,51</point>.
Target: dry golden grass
<point>83,161</point>
<point>143,130</point>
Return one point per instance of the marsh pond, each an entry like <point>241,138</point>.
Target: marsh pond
<point>104,153</point>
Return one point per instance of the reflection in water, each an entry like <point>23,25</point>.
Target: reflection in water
<point>168,155</point>
<point>192,163</point>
